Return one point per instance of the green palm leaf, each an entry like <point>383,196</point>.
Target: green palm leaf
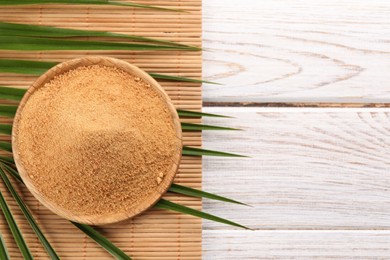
<point>85,2</point>
<point>3,249</point>
<point>168,205</point>
<point>15,229</point>
<point>15,29</point>
<point>101,240</point>
<point>40,67</point>
<point>5,159</point>
<point>178,78</point>
<point>21,43</point>
<point>192,151</point>
<point>9,93</point>
<point>49,249</point>
<point>13,172</point>
<point>200,127</point>
<point>187,113</point>
<point>6,146</point>
<point>201,194</point>
<point>6,129</point>
<point>25,66</point>
<point>8,111</point>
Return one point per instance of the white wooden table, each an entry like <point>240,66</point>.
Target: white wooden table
<point>319,176</point>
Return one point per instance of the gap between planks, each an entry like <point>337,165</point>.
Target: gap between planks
<point>296,104</point>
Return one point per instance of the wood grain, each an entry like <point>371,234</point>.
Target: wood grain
<point>297,51</point>
<point>311,168</point>
<point>318,177</point>
<point>308,244</point>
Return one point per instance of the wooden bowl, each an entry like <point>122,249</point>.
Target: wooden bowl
<point>112,217</point>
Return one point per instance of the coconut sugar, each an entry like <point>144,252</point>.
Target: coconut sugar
<point>96,140</point>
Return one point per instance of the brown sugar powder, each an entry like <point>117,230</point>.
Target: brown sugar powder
<point>96,140</point>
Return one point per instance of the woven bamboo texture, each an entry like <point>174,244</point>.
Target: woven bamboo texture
<point>156,234</point>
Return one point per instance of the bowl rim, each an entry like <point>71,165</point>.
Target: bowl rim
<point>143,205</point>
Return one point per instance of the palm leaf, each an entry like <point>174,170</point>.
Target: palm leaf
<point>178,78</point>
<point>201,194</point>
<point>6,129</point>
<point>8,111</point>
<point>15,29</point>
<point>15,229</point>
<point>5,159</point>
<point>101,240</point>
<point>192,151</point>
<point>86,2</point>
<point>49,249</point>
<point>200,127</point>
<point>25,66</point>
<point>40,67</point>
<point>11,93</point>
<point>168,205</point>
<point>6,146</point>
<point>21,43</point>
<point>3,249</point>
<point>187,113</point>
<point>13,172</point>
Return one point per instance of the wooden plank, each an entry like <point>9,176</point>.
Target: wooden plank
<point>311,168</point>
<point>297,51</point>
<point>309,244</point>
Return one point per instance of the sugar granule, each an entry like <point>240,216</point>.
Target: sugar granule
<point>95,139</point>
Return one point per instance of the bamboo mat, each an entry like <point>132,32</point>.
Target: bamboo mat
<point>156,234</point>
